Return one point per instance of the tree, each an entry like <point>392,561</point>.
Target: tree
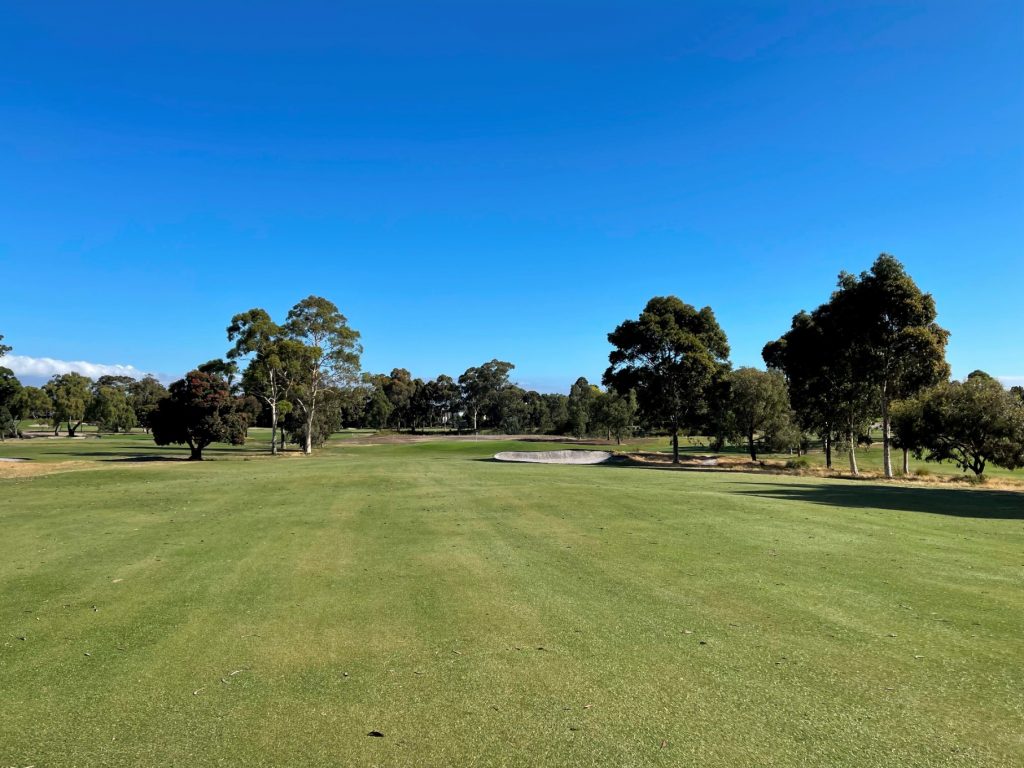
<point>972,423</point>
<point>4,348</point>
<point>758,405</point>
<point>446,400</point>
<point>197,411</point>
<point>326,421</point>
<point>889,327</point>
<point>556,419</point>
<point>511,410</point>
<point>806,358</point>
<point>143,396</point>
<point>109,408</point>
<point>671,356</point>
<point>228,369</point>
<point>69,395</point>
<point>332,355</point>
<point>378,409</point>
<point>616,413</point>
<point>10,399</point>
<point>275,363</point>
<point>122,383</point>
<point>399,389</point>
<point>31,403</point>
<point>10,387</point>
<point>908,434</point>
<point>482,385</point>
<point>582,403</point>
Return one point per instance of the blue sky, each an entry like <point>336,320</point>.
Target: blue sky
<point>475,180</point>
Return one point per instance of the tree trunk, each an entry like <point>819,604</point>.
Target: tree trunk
<point>474,420</point>
<point>273,428</point>
<point>853,454</point>
<point>886,438</point>
<point>307,447</point>
<point>906,461</point>
<point>750,445</point>
<point>828,452</point>
<point>675,445</point>
<point>196,453</point>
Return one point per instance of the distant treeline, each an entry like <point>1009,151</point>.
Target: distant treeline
<point>871,357</point>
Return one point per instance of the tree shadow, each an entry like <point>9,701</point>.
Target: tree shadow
<point>145,459</point>
<point>955,502</point>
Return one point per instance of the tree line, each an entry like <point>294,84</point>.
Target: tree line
<point>869,358</point>
<point>872,354</point>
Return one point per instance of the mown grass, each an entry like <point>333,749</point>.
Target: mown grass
<point>275,612</point>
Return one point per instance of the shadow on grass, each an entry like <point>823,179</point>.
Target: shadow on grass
<point>159,453</point>
<point>956,502</point>
<point>143,459</point>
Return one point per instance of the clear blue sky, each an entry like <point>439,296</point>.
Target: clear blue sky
<point>468,181</point>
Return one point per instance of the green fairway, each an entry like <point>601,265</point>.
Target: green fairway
<point>275,612</point>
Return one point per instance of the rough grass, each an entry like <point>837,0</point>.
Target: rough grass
<point>275,612</point>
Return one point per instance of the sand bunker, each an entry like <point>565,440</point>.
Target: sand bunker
<point>554,457</point>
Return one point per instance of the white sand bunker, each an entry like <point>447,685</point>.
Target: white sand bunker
<point>12,460</point>
<point>554,457</point>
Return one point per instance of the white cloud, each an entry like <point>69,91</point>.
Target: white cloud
<point>1011,381</point>
<point>45,367</point>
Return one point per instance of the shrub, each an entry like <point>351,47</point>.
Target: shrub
<point>922,472</point>
<point>801,463</point>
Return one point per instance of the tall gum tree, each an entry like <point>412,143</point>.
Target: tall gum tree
<point>671,355</point>
<point>888,326</point>
<point>481,386</point>
<point>331,355</point>
<point>274,363</point>
<point>803,355</point>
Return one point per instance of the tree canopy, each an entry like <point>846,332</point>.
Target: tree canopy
<point>331,355</point>
<point>70,395</point>
<point>972,423</point>
<point>670,356</point>
<point>197,411</point>
<point>481,386</point>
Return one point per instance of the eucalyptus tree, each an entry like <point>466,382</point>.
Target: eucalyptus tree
<point>671,355</point>
<point>399,388</point>
<point>143,395</point>
<point>908,434</point>
<point>275,363</point>
<point>812,367</point>
<point>887,325</point>
<point>615,413</point>
<point>69,394</point>
<point>758,405</point>
<point>582,404</point>
<point>109,407</point>
<point>481,386</point>
<point>330,357</point>
<point>32,403</point>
